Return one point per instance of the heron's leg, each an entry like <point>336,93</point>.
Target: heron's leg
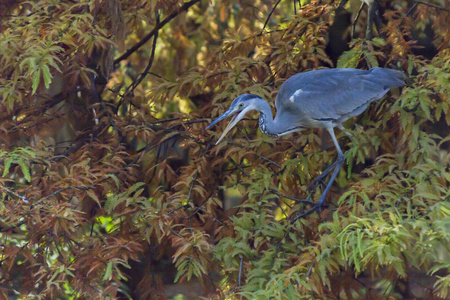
<point>337,164</point>
<point>321,177</point>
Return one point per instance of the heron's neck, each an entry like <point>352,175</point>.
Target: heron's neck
<point>266,123</point>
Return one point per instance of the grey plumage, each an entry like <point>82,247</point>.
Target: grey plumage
<point>334,95</point>
<point>317,99</point>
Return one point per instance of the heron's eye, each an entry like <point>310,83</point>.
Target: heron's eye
<point>241,104</point>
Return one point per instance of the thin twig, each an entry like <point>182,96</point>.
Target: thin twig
<point>341,5</point>
<point>175,233</point>
<point>408,13</point>
<point>308,212</point>
<point>187,123</point>
<point>239,167</point>
<point>370,15</point>
<point>268,160</point>
<point>356,20</point>
<point>191,188</point>
<point>258,155</point>
<point>278,248</point>
<point>133,49</point>
<point>432,5</point>
<point>141,76</point>
<point>291,198</point>
<point>55,192</point>
<point>202,210</point>
<point>282,210</point>
<point>195,177</point>
<point>270,15</point>
<point>8,191</point>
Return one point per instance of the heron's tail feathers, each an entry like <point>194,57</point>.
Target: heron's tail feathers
<point>389,77</point>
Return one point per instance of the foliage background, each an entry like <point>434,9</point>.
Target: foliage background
<point>111,188</point>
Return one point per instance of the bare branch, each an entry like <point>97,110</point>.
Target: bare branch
<point>291,198</point>
<point>356,20</point>
<point>270,15</point>
<point>433,5</point>
<point>8,191</point>
<point>133,49</point>
<point>141,76</point>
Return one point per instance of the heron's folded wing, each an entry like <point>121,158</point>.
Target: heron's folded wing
<point>335,94</point>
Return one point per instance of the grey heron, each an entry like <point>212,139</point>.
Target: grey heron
<point>316,99</point>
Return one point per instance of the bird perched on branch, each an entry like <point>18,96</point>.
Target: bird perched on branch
<point>316,99</point>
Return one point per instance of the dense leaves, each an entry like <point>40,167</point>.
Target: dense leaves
<point>111,187</point>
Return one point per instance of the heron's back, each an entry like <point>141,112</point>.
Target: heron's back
<point>328,97</point>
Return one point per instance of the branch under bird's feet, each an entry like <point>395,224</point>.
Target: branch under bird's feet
<point>337,165</point>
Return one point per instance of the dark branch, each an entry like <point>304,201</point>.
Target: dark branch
<point>191,188</point>
<point>239,167</point>
<point>290,198</point>
<point>195,178</point>
<point>150,62</point>
<point>133,49</point>
<point>308,212</point>
<point>8,191</point>
<point>433,5</point>
<point>356,20</point>
<point>408,13</point>
<point>378,23</point>
<point>371,15</point>
<point>341,5</point>
<point>270,15</point>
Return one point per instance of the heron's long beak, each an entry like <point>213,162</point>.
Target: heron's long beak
<point>232,123</point>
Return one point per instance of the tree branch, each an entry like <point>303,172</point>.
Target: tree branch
<point>270,15</point>
<point>289,197</point>
<point>133,49</point>
<point>141,76</point>
<point>433,5</point>
<point>356,20</point>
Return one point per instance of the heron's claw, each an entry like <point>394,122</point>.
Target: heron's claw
<point>317,207</point>
<point>320,179</point>
<point>315,183</point>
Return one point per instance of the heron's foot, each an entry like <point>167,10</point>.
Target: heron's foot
<point>316,207</point>
<point>320,179</point>
<point>316,182</point>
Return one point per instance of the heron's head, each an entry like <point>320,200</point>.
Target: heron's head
<point>239,107</point>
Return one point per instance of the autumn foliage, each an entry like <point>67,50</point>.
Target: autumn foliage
<point>112,188</point>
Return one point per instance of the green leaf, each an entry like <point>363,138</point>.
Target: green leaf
<point>36,78</point>
<point>25,170</point>
<point>378,42</point>
<point>114,177</point>
<point>94,197</point>
<point>108,272</point>
<point>8,163</point>
<point>423,101</point>
<point>349,59</point>
<point>47,76</point>
<point>111,203</point>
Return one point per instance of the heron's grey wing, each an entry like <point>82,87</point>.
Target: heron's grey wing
<point>333,94</point>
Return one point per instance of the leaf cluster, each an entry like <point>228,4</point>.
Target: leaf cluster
<point>112,188</point>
